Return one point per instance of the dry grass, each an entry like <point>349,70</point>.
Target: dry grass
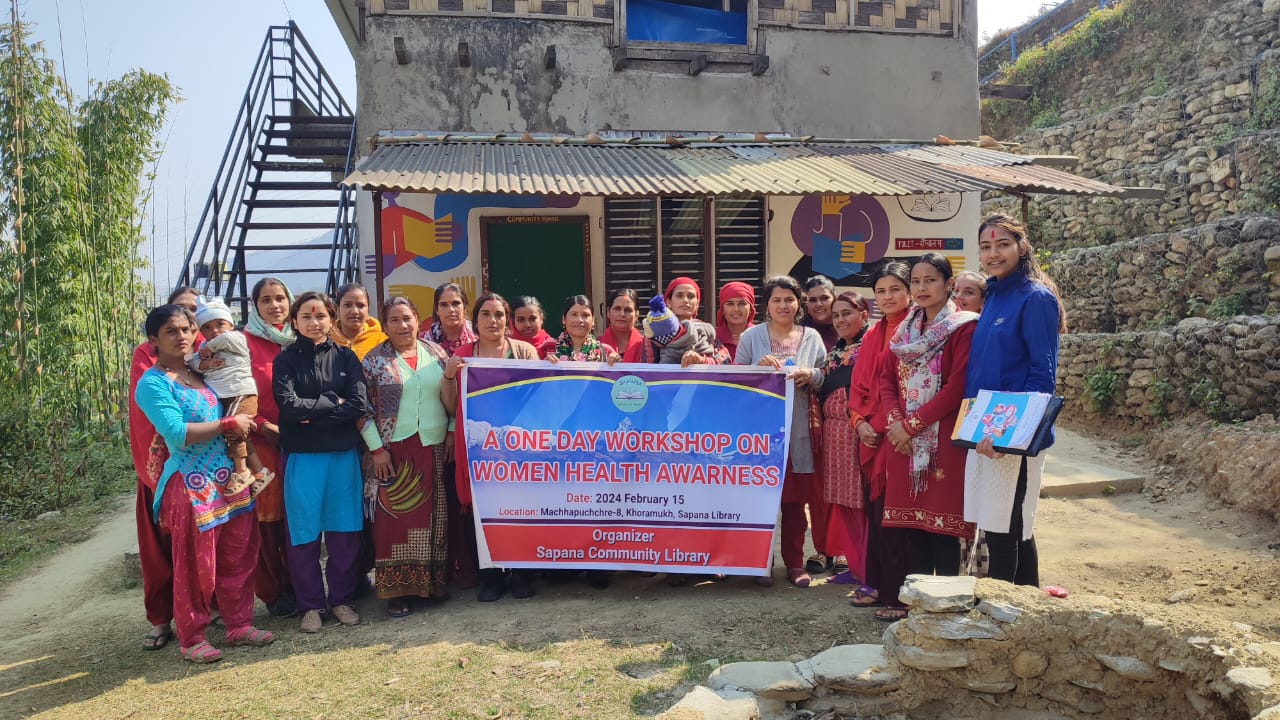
<point>574,679</point>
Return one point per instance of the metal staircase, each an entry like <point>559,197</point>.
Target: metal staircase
<point>275,207</point>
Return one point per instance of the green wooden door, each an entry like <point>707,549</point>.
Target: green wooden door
<point>545,260</point>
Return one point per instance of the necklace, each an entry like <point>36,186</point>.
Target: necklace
<point>183,377</point>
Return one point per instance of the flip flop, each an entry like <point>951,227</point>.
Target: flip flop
<point>201,653</point>
<point>155,640</point>
<point>891,614</point>
<point>398,609</point>
<point>865,596</point>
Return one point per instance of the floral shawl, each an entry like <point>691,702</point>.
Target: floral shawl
<point>919,354</point>
<point>591,350</point>
<point>436,335</point>
<point>384,384</point>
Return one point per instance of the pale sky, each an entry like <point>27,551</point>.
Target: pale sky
<point>208,49</point>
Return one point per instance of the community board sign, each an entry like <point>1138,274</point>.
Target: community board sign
<point>630,467</point>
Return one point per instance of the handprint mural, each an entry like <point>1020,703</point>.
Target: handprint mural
<point>841,233</point>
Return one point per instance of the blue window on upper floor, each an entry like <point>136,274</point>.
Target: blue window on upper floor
<point>716,22</point>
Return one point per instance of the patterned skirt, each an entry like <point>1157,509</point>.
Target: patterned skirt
<point>842,475</point>
<point>410,525</point>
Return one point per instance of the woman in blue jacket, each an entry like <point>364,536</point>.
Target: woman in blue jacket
<point>1015,349</point>
<point>320,389</point>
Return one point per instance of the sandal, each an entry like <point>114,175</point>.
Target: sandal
<point>891,614</point>
<point>865,596</point>
<point>817,563</point>
<point>202,653</point>
<point>798,577</point>
<point>159,636</point>
<point>260,482</point>
<point>398,608</point>
<point>839,564</point>
<point>251,636</point>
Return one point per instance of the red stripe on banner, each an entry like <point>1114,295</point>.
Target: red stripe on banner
<point>668,547</point>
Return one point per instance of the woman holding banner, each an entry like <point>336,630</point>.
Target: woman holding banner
<point>576,342</point>
<point>782,343</point>
<point>490,320</point>
<point>410,403</point>
<point>922,385</point>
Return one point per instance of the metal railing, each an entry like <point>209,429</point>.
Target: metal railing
<point>287,76</point>
<point>1010,44</point>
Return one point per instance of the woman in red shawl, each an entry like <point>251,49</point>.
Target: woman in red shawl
<point>153,542</point>
<point>267,332</point>
<point>887,556</point>
<point>621,333</point>
<point>527,319</point>
<point>921,387</point>
<point>737,313</point>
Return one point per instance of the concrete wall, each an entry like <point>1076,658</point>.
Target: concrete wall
<point>826,83</point>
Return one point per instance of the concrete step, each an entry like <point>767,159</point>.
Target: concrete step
<point>1066,476</point>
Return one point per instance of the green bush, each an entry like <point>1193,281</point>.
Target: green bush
<point>46,465</point>
<point>1100,388</point>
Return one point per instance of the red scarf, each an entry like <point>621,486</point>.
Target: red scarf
<point>542,342</point>
<point>630,350</point>
<point>864,397</point>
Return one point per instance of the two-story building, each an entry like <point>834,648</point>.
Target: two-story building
<point>550,147</point>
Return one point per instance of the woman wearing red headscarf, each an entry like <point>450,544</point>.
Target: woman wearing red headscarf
<point>683,297</point>
<point>737,313</point>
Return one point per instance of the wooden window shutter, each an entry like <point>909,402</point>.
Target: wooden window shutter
<point>684,245</point>
<point>631,246</point>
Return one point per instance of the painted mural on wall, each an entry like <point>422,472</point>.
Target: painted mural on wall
<point>849,238</point>
<point>428,240</point>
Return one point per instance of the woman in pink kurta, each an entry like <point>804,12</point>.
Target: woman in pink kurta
<point>922,385</point>
<point>841,473</point>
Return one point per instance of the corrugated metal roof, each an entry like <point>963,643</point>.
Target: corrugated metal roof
<point>703,168</point>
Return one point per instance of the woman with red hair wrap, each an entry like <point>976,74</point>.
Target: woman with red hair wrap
<point>682,299</point>
<point>737,313</point>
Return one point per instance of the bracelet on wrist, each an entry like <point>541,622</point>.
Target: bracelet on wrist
<point>227,423</point>
<point>380,450</point>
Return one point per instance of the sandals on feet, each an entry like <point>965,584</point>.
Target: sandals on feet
<point>398,608</point>
<point>201,653</point>
<point>891,614</point>
<point>817,563</point>
<point>159,636</point>
<point>865,596</point>
<point>839,564</point>
<point>251,636</point>
<point>798,577</point>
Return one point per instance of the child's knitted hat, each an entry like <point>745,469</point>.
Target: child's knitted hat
<point>661,324</point>
<point>215,309</point>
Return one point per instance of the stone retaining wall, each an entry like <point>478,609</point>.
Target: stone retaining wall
<point>1188,123</point>
<point>1215,270</point>
<point>1228,370</point>
<point>991,649</point>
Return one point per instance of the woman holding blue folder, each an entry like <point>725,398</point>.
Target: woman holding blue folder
<point>1015,349</point>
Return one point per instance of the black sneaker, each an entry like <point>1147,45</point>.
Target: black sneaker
<point>522,584</point>
<point>492,585</point>
<point>283,607</point>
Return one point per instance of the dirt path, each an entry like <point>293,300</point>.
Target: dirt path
<point>69,633</point>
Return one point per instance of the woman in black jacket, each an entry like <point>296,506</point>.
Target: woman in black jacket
<point>321,393</point>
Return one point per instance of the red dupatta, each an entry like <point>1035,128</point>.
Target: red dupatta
<point>864,396</point>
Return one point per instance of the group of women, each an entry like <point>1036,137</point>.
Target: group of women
<point>358,414</point>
